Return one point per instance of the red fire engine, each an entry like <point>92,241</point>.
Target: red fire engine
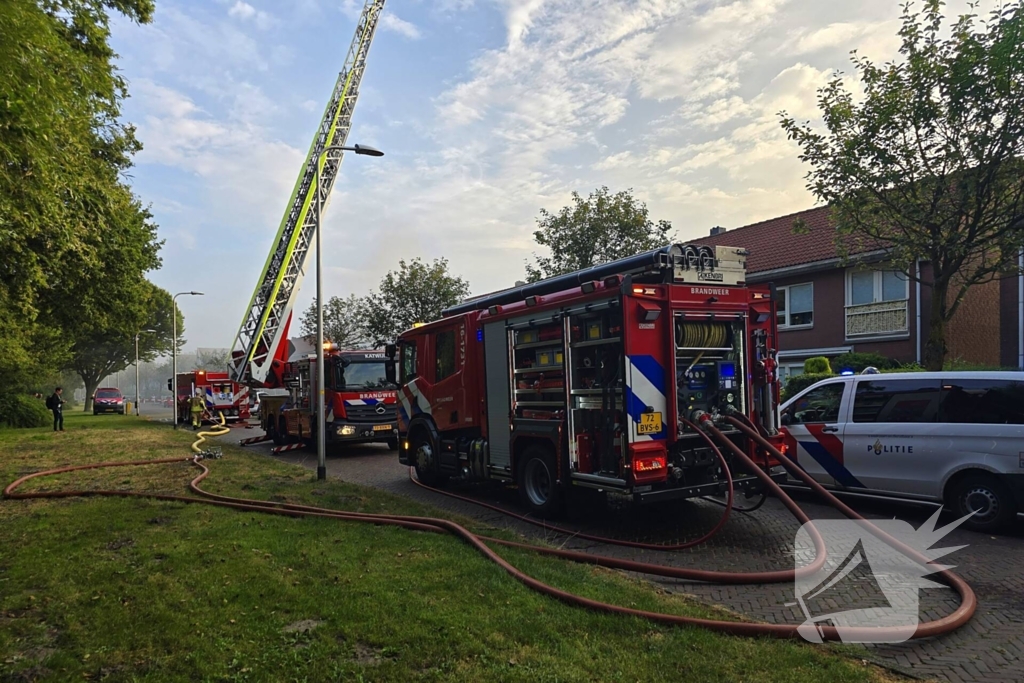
<point>220,393</point>
<point>360,400</point>
<point>595,379</point>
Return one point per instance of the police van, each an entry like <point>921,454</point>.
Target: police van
<point>954,438</point>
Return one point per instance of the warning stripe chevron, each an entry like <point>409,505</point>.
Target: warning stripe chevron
<point>253,439</point>
<point>287,447</point>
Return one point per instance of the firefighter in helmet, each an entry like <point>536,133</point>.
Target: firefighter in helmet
<point>197,406</point>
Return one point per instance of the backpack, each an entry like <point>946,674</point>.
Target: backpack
<point>49,402</point>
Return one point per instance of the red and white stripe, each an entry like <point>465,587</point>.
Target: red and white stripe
<point>287,447</point>
<point>253,439</point>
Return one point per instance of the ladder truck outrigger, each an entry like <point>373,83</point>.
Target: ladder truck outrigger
<point>596,379</point>
<point>360,405</point>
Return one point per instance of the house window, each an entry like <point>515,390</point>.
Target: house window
<point>875,286</point>
<point>795,305</point>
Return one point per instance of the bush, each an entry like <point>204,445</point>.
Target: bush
<point>20,410</point>
<point>817,366</point>
<point>858,361</point>
<point>794,385</point>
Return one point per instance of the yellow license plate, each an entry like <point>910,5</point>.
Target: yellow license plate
<point>650,423</point>
<point>385,428</point>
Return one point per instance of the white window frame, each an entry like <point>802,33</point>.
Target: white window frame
<point>784,324</point>
<point>877,286</point>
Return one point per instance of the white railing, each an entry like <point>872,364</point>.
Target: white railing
<point>884,317</point>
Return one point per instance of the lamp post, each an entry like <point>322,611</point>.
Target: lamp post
<point>174,353</point>
<point>321,428</point>
<point>137,412</point>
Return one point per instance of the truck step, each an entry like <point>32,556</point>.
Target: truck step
<point>287,447</point>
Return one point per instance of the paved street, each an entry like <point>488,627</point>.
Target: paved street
<point>990,648</point>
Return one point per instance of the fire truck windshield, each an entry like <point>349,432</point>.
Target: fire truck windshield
<point>365,375</point>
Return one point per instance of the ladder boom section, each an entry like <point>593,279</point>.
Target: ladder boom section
<point>265,323</point>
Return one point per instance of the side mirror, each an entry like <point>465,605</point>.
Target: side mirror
<point>786,419</point>
<point>391,350</point>
<point>389,371</point>
<point>170,386</point>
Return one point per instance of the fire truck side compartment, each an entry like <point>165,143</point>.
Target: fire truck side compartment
<point>499,408</point>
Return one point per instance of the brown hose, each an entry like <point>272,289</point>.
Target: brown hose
<point>968,601</point>
<point>604,539</point>
<point>479,543</point>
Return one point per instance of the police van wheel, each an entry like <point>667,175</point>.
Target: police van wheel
<point>538,482</point>
<point>987,498</point>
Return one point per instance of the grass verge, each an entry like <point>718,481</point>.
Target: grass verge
<point>136,590</point>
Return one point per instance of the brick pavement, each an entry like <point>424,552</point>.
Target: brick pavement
<point>990,648</point>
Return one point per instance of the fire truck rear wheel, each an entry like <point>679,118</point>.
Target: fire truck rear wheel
<point>274,433</point>
<point>538,482</point>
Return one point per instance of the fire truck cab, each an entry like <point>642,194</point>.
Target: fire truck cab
<point>594,379</point>
<point>360,400</point>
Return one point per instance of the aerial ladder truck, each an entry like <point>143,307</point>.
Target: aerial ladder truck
<point>360,403</point>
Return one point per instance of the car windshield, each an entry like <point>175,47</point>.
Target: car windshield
<point>362,375</point>
<point>108,393</point>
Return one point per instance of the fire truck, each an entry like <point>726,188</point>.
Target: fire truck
<point>595,379</point>
<point>360,400</point>
<point>221,394</point>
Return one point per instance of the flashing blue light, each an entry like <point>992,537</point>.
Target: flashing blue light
<point>846,372</point>
<point>480,335</point>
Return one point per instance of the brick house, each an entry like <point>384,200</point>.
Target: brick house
<point>827,307</point>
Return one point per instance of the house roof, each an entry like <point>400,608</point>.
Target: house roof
<point>777,243</point>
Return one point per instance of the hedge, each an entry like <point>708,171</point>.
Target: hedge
<point>21,410</point>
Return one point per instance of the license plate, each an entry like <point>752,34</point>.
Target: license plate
<point>382,428</point>
<point>650,423</point>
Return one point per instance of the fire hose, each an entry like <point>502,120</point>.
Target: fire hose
<point>480,543</point>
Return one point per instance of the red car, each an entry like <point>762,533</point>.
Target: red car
<point>108,400</point>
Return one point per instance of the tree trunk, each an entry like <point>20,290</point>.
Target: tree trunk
<point>935,347</point>
<point>91,383</point>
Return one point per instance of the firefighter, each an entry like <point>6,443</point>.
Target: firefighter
<point>197,406</point>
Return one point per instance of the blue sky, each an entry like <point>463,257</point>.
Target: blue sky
<point>487,110</point>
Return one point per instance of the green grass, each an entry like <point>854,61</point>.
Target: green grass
<point>138,590</point>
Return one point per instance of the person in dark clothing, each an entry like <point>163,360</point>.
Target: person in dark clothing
<point>56,404</point>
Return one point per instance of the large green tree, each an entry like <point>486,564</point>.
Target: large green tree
<point>344,322</point>
<point>601,228</point>
<point>108,346</point>
<point>927,164</point>
<point>62,152</point>
<point>416,292</point>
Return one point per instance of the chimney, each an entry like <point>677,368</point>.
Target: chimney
<point>717,230</point>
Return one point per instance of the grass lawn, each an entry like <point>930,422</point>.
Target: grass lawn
<point>137,590</point>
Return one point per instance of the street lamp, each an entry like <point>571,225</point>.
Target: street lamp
<point>137,412</point>
<point>321,428</point>
<point>174,353</point>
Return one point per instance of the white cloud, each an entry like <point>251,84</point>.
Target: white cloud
<point>246,12</point>
<point>678,99</point>
<point>389,22</point>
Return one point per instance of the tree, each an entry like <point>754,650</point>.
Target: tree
<point>215,360</point>
<point>108,345</point>
<point>62,148</point>
<point>927,166</point>
<point>602,228</point>
<point>344,322</point>
<point>416,292</point>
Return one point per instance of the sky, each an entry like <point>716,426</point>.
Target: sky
<point>487,111</point>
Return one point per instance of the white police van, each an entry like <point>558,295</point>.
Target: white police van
<point>946,437</point>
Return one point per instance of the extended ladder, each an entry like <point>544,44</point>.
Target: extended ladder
<point>265,325</point>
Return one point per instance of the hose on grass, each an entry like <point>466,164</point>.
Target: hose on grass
<point>221,430</point>
<point>480,543</point>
